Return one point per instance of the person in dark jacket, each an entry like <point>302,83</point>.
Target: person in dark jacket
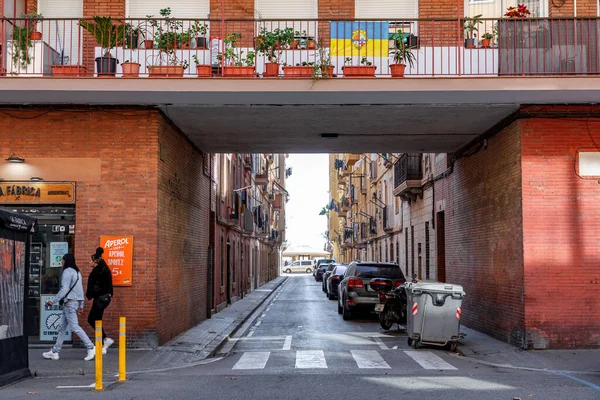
<point>99,288</point>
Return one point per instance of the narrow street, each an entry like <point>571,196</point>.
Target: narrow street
<point>296,346</point>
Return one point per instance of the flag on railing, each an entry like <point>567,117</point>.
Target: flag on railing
<point>359,39</point>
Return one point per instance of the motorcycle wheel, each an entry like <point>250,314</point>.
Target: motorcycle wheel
<point>339,308</point>
<point>385,319</point>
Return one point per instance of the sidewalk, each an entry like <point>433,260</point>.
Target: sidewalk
<point>485,349</point>
<point>193,346</point>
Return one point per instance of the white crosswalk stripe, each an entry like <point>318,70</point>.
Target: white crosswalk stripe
<point>369,359</point>
<point>253,360</point>
<point>362,359</point>
<point>310,359</point>
<point>428,360</point>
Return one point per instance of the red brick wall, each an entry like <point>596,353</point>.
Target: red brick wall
<point>183,213</point>
<point>124,202</point>
<point>440,32</point>
<point>585,8</point>
<point>234,12</point>
<point>30,7</point>
<point>484,236</point>
<point>91,8</point>
<point>561,230</point>
<point>332,10</point>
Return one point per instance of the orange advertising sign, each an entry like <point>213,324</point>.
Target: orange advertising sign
<point>118,254</point>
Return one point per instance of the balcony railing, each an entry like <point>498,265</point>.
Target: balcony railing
<point>408,173</point>
<point>312,49</point>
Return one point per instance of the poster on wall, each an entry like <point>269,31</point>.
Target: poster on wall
<point>50,319</point>
<point>57,251</point>
<point>118,254</point>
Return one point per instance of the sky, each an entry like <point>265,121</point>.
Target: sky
<point>309,193</point>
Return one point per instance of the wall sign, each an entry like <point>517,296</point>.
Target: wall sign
<point>37,193</point>
<point>57,251</point>
<point>118,254</point>
<point>50,319</point>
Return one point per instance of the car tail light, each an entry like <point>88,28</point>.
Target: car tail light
<point>335,278</point>
<point>355,284</point>
<point>382,296</point>
<point>399,283</point>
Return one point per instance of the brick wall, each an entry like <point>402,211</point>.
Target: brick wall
<point>183,211</point>
<point>91,8</point>
<point>440,32</point>
<point>234,12</point>
<point>31,6</point>
<point>484,236</point>
<point>561,230</point>
<point>585,8</point>
<point>332,10</point>
<point>124,202</point>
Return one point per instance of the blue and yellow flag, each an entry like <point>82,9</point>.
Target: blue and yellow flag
<point>353,38</point>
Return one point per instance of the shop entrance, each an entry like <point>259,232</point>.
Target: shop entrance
<point>54,238</point>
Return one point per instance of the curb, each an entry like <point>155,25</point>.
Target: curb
<point>217,348</point>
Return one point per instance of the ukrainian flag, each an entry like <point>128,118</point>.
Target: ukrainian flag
<point>359,39</point>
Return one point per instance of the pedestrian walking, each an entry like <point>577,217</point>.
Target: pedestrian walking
<point>70,297</point>
<point>99,288</point>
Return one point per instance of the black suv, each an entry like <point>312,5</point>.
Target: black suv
<point>321,268</point>
<point>355,293</point>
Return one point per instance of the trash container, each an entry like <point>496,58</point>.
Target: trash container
<point>433,314</point>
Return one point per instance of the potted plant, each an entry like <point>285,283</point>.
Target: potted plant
<point>32,19</point>
<point>203,70</point>
<point>401,55</point>
<point>304,70</point>
<point>270,44</point>
<point>295,42</point>
<point>199,30</point>
<point>132,36</point>
<point>130,69</point>
<point>486,40</point>
<point>233,62</point>
<point>108,36</point>
<point>167,37</point>
<point>470,27</point>
<point>365,69</point>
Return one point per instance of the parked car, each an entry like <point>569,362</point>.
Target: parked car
<point>299,266</point>
<point>327,274</point>
<point>354,292</point>
<point>319,271</point>
<point>334,280</point>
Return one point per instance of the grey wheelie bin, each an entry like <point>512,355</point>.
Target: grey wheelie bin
<point>433,313</point>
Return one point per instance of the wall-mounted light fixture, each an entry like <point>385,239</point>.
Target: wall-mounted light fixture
<point>15,159</point>
<point>36,179</point>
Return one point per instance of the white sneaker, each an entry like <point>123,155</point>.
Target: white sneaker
<point>91,353</point>
<point>107,343</point>
<point>50,355</point>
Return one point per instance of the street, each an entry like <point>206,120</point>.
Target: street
<point>296,346</point>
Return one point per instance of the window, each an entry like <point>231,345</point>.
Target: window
<point>406,250</point>
<point>497,9</point>
<point>412,250</point>
<point>222,261</point>
<point>287,9</point>
<point>426,250</point>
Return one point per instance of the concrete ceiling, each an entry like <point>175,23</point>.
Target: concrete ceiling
<point>360,128</point>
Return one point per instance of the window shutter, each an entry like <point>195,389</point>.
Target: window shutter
<point>63,36</point>
<point>185,9</point>
<point>287,9</point>
<point>387,9</point>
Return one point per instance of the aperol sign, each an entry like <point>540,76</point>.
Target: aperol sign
<point>118,254</point>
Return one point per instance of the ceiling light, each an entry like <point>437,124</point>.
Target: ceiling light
<point>36,179</point>
<point>15,159</point>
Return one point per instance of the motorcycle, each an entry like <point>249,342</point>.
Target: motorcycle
<point>392,302</point>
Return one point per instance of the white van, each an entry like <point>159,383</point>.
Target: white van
<point>299,266</point>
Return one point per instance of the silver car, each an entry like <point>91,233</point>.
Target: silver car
<point>355,293</point>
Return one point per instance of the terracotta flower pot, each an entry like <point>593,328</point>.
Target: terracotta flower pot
<point>168,71</point>
<point>311,44</point>
<point>397,70</point>
<point>294,44</point>
<point>239,72</point>
<point>35,35</point>
<point>485,43</point>
<point>204,71</point>
<point>130,70</point>
<point>271,70</point>
<point>148,44</point>
<point>298,71</point>
<point>359,71</point>
<point>327,72</point>
<point>68,70</point>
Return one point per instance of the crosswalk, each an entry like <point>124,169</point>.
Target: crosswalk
<point>348,359</point>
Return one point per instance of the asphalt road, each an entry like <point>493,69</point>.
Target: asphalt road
<point>298,347</point>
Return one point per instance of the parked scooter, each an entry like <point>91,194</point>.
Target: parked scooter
<point>392,302</point>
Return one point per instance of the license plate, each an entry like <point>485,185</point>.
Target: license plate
<point>379,307</point>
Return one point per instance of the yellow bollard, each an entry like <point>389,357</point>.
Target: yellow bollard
<point>98,356</point>
<point>122,348</point>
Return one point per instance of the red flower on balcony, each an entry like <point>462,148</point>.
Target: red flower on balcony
<point>520,11</point>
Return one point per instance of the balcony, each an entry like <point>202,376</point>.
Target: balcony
<point>261,179</point>
<point>345,205</point>
<point>388,219</point>
<point>408,174</point>
<point>277,202</point>
<point>311,49</point>
<point>351,159</point>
